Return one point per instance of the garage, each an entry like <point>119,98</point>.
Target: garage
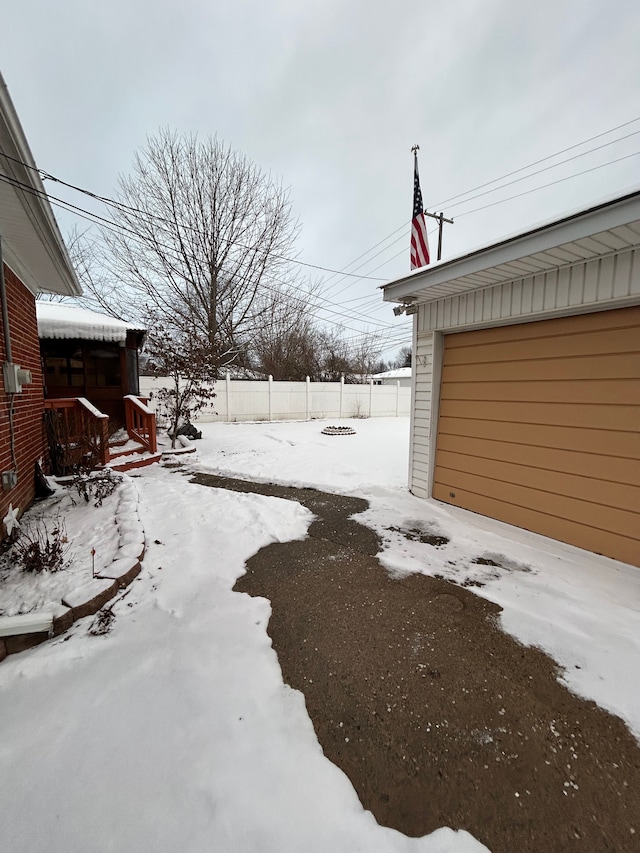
<point>526,383</point>
<point>539,426</point>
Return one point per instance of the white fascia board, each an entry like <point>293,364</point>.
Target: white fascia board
<point>53,271</point>
<point>611,214</point>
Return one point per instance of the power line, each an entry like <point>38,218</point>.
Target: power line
<point>120,205</point>
<point>110,225</point>
<point>551,184</point>
<point>113,226</point>
<point>514,172</point>
<point>537,162</point>
<point>547,168</point>
<point>109,202</point>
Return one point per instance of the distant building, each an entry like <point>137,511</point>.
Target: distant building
<point>392,377</point>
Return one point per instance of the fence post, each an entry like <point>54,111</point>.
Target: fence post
<point>370,397</point>
<point>341,393</point>
<point>398,400</point>
<point>270,397</point>
<point>308,390</point>
<point>228,389</point>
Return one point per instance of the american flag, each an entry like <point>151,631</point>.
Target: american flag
<point>419,241</point>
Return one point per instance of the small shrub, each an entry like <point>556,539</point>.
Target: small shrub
<point>103,622</point>
<point>95,487</point>
<point>359,409</point>
<point>39,549</point>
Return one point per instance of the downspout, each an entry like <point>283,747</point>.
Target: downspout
<point>5,310</point>
<point>7,345</point>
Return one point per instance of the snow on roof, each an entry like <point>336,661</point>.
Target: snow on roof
<point>56,320</point>
<point>398,373</point>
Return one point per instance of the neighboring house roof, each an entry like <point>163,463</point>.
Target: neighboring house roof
<point>31,241</point>
<point>592,233</point>
<point>57,320</point>
<point>398,373</point>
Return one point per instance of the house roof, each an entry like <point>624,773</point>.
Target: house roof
<point>596,232</point>
<point>32,244</point>
<point>57,320</point>
<point>398,373</point>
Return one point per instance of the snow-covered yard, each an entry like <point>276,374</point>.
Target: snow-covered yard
<point>175,729</point>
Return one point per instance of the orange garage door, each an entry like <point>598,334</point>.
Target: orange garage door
<point>539,426</point>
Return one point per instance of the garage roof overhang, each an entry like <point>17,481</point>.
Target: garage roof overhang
<point>603,230</point>
<point>32,245</point>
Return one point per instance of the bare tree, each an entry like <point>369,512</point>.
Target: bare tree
<point>202,236</point>
<point>365,357</point>
<point>404,357</point>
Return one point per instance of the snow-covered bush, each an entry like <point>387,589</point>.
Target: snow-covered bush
<point>40,549</point>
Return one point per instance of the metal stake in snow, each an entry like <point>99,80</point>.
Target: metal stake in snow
<point>93,562</point>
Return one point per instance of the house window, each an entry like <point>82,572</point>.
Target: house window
<point>63,365</point>
<point>103,366</point>
<point>67,362</point>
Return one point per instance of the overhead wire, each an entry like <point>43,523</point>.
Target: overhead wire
<point>537,162</point>
<point>109,202</point>
<point>112,226</point>
<point>462,196</point>
<point>546,169</point>
<point>109,224</point>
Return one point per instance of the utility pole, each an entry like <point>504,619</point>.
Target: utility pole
<point>441,218</point>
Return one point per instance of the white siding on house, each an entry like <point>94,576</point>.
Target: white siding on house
<point>420,448</point>
<point>612,281</point>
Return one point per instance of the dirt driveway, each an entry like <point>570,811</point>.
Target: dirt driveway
<point>437,716</point>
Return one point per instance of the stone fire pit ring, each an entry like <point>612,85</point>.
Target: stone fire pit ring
<point>338,430</point>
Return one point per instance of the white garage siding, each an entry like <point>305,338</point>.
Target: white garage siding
<point>424,420</point>
<point>612,281</point>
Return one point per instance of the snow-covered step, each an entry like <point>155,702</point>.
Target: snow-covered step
<point>27,623</point>
<point>135,460</point>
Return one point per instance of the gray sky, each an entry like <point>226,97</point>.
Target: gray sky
<point>330,97</point>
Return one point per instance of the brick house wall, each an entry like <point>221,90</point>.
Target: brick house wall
<point>29,431</point>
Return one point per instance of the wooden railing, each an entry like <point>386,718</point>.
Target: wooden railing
<point>78,434</point>
<point>141,422</point>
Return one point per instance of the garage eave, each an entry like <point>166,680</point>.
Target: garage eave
<point>605,229</point>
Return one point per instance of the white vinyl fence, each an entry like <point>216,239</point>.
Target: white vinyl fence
<point>266,400</point>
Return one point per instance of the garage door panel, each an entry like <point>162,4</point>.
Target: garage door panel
<point>609,443</point>
<point>615,469</point>
<point>591,343</point>
<point>616,520</point>
<point>617,320</point>
<point>619,547</point>
<point>610,366</point>
<point>612,391</point>
<point>597,491</point>
<point>585,440</point>
<point>539,425</point>
<point>616,418</point>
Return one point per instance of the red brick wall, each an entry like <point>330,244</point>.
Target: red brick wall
<point>30,438</point>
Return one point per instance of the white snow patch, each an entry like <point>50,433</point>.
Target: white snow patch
<point>174,731</point>
<point>57,320</point>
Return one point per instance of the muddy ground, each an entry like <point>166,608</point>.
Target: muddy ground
<point>437,717</point>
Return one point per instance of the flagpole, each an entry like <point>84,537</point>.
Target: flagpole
<point>439,216</point>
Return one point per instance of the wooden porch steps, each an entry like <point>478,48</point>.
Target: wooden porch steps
<point>129,455</point>
<point>135,461</point>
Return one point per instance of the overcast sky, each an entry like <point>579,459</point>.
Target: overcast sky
<point>331,96</point>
